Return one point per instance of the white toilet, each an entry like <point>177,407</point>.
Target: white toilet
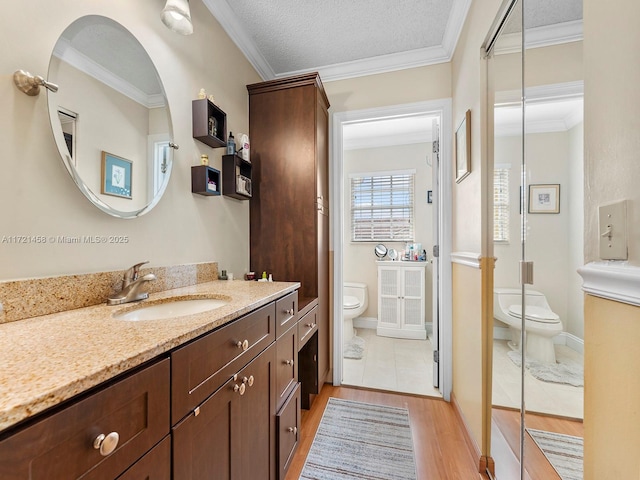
<point>541,323</point>
<point>355,302</point>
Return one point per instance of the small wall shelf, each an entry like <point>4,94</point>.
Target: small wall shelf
<point>205,180</point>
<point>236,173</point>
<point>209,123</point>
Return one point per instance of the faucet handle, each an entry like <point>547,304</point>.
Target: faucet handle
<point>132,273</point>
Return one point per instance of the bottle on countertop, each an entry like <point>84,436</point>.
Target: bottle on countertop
<point>231,144</point>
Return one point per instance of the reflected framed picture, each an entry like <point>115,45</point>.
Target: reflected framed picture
<point>116,176</point>
<point>463,148</point>
<point>544,198</point>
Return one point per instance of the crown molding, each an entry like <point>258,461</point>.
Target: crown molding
<point>65,52</point>
<point>537,37</point>
<point>340,71</point>
<point>617,281</point>
<point>221,10</point>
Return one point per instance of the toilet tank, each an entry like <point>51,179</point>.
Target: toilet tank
<point>358,290</point>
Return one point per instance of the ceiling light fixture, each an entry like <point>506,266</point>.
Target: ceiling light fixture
<point>177,16</point>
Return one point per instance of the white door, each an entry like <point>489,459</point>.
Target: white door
<point>435,275</point>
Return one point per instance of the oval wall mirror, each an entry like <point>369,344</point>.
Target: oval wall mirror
<point>110,117</point>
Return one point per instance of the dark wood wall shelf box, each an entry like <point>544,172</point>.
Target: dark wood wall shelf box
<point>236,177</point>
<point>205,180</point>
<point>209,123</point>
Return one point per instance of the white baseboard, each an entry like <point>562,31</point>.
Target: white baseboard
<point>564,338</point>
<point>365,322</point>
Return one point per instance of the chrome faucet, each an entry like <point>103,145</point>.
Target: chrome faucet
<point>131,283</point>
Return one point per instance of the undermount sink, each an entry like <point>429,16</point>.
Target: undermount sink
<point>171,309</point>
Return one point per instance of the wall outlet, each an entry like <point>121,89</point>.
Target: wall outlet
<point>612,223</point>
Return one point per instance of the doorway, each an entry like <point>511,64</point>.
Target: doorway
<point>392,351</point>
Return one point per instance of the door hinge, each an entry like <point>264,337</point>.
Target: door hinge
<point>436,251</point>
<point>436,356</point>
<point>526,273</point>
<point>436,146</point>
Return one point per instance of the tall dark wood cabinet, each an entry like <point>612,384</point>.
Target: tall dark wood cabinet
<point>288,125</point>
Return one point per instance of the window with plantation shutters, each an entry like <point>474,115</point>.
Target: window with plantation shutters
<point>501,204</point>
<point>382,206</point>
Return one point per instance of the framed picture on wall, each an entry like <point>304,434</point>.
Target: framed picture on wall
<point>544,198</point>
<point>116,175</point>
<point>463,148</point>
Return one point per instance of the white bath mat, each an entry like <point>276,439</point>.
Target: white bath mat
<point>354,348</point>
<point>567,373</point>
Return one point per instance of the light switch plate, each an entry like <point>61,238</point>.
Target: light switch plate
<point>612,224</point>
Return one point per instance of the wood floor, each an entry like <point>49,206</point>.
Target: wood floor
<point>536,464</point>
<point>440,447</point>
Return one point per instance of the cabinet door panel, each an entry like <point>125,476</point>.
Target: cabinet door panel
<point>288,425</point>
<point>61,445</point>
<point>155,465</point>
<point>307,326</point>
<point>286,312</point>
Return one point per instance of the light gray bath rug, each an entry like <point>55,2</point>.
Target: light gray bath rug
<point>354,348</point>
<point>567,373</point>
<point>361,441</point>
<point>564,452</point>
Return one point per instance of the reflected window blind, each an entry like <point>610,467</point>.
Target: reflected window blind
<point>501,205</point>
<point>382,207</point>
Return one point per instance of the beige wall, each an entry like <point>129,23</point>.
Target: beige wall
<point>471,317</point>
<point>39,197</point>
<point>612,170</point>
<point>359,259</point>
<point>612,96</point>
<point>612,390</point>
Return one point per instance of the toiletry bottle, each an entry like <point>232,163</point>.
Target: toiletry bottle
<point>231,144</point>
<point>264,275</point>
<point>270,277</point>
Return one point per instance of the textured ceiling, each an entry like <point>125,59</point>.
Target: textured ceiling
<point>341,38</point>
<point>542,13</point>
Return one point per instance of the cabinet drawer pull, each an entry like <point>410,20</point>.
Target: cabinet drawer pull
<point>293,430</point>
<point>248,381</point>
<point>239,388</point>
<point>290,312</point>
<point>244,345</point>
<point>310,325</point>
<point>106,444</point>
<point>289,362</point>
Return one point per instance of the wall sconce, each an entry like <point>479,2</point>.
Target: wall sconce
<point>177,16</point>
<point>30,84</point>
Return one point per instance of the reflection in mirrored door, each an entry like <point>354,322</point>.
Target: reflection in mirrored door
<point>535,86</point>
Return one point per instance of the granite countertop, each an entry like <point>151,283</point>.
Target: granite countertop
<point>48,359</point>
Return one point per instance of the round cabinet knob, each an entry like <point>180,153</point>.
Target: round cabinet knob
<point>244,345</point>
<point>248,381</point>
<point>310,325</point>
<point>291,311</point>
<point>289,362</point>
<point>106,444</point>
<point>293,430</point>
<point>239,388</point>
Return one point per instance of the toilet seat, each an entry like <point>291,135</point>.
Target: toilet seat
<point>349,302</point>
<point>534,314</point>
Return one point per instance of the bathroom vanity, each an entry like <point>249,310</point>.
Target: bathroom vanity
<point>208,395</point>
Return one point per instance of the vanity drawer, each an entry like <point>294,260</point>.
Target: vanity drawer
<point>201,367</point>
<point>286,313</point>
<point>61,446</point>
<point>155,465</point>
<point>288,425</point>
<point>286,364</point>
<point>307,326</point>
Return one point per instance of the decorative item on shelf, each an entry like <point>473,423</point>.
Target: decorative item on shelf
<point>202,94</point>
<point>223,275</point>
<point>211,99</point>
<point>213,126</point>
<point>231,144</point>
<point>463,148</point>
<point>250,276</point>
<point>244,146</point>
<point>204,159</point>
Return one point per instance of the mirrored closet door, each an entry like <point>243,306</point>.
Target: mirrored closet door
<point>535,87</point>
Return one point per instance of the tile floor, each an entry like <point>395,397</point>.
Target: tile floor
<point>541,397</point>
<point>394,364</point>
